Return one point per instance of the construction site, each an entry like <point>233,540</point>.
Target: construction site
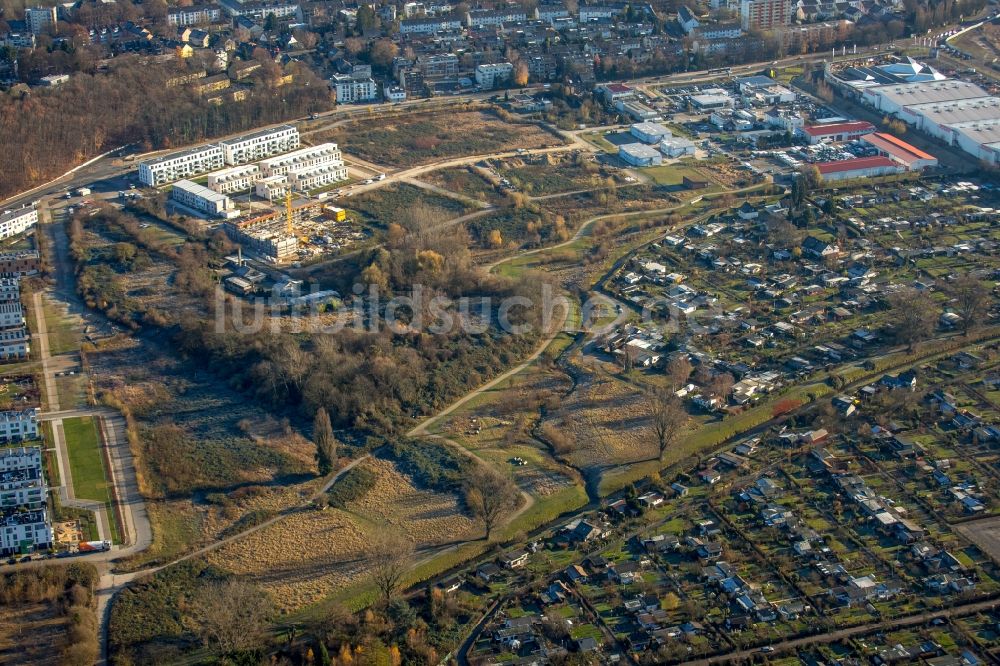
<point>300,230</point>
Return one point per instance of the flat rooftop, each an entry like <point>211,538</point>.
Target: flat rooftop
<point>199,190</point>
<point>257,134</point>
<point>924,92</point>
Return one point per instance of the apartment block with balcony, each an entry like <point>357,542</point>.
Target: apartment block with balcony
<point>234,179</point>
<point>183,164</point>
<point>260,144</point>
<point>18,424</point>
<point>324,153</point>
<point>19,220</point>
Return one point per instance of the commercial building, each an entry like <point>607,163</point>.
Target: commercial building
<point>201,199</point>
<point>836,132</point>
<point>194,15</point>
<point>19,220</point>
<point>892,98</point>
<point>272,187</point>
<point>310,178</point>
<point>234,179</point>
<point>900,151</point>
<point>714,98</point>
<point>260,144</point>
<point>613,92</point>
<point>862,167</point>
<point>175,166</point>
<point>40,19</point>
<point>676,146</point>
<point>18,424</point>
<point>640,155</point>
<point>324,153</point>
<point>495,74</point>
<point>765,14</point>
<point>349,89</point>
<point>23,532</point>
<point>11,314</point>
<point>19,264</point>
<point>15,343</point>
<point>649,132</point>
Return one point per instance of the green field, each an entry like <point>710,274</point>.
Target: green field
<point>85,459</point>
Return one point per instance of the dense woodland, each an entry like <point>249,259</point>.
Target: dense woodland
<point>54,130</point>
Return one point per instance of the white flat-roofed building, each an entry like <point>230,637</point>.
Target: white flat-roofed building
<point>272,187</point>
<point>19,220</point>
<point>24,532</point>
<point>394,94</point>
<point>200,198</point>
<point>18,424</point>
<point>16,459</point>
<point>491,75</point>
<point>234,179</point>
<point>324,153</point>
<point>350,89</point>
<point>194,15</point>
<point>980,139</point>
<point>11,314</point>
<point>310,178</point>
<point>677,146</point>
<point>892,97</point>
<point>10,289</point>
<point>260,144</point>
<point>712,100</point>
<point>40,19</point>
<point>640,155</point>
<point>14,343</point>
<point>175,166</point>
<point>649,132</point>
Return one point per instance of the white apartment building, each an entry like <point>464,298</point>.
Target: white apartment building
<point>39,19</point>
<point>324,153</point>
<point>310,178</point>
<point>350,89</point>
<point>195,15</point>
<point>15,343</point>
<point>13,222</point>
<point>234,179</point>
<point>175,166</point>
<point>200,198</point>
<point>260,144</point>
<point>18,424</point>
<point>11,314</point>
<point>490,76</point>
<point>393,93</point>
<point>10,289</point>
<point>20,458</point>
<point>272,187</point>
<point>25,532</point>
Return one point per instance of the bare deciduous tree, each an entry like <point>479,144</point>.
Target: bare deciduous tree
<point>668,419</point>
<point>389,561</point>
<point>914,316</point>
<point>971,300</point>
<point>232,616</point>
<point>491,497</point>
<point>679,371</point>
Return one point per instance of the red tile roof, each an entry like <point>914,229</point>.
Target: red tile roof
<point>852,165</point>
<point>890,144</point>
<point>839,128</point>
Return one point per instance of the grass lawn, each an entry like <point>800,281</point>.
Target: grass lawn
<point>85,459</point>
<point>673,174</point>
<point>63,336</point>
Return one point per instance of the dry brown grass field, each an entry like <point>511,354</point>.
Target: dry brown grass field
<point>32,634</point>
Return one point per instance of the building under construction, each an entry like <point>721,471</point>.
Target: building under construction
<point>297,230</point>
<point>272,235</point>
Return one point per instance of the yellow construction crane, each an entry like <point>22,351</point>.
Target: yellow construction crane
<point>288,212</point>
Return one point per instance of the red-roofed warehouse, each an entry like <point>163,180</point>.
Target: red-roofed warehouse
<point>898,150</point>
<point>837,132</point>
<point>862,167</point>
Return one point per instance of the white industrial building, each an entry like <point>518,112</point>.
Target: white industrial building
<point>201,199</point>
<point>489,76</point>
<point>958,113</point>
<point>272,187</point>
<point>18,424</point>
<point>350,89</point>
<point>677,146</point>
<point>712,98</point>
<point>11,314</point>
<point>19,220</point>
<point>324,153</point>
<point>260,144</point>
<point>234,179</point>
<point>175,166</point>
<point>310,178</point>
<point>649,132</point>
<point>640,155</point>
